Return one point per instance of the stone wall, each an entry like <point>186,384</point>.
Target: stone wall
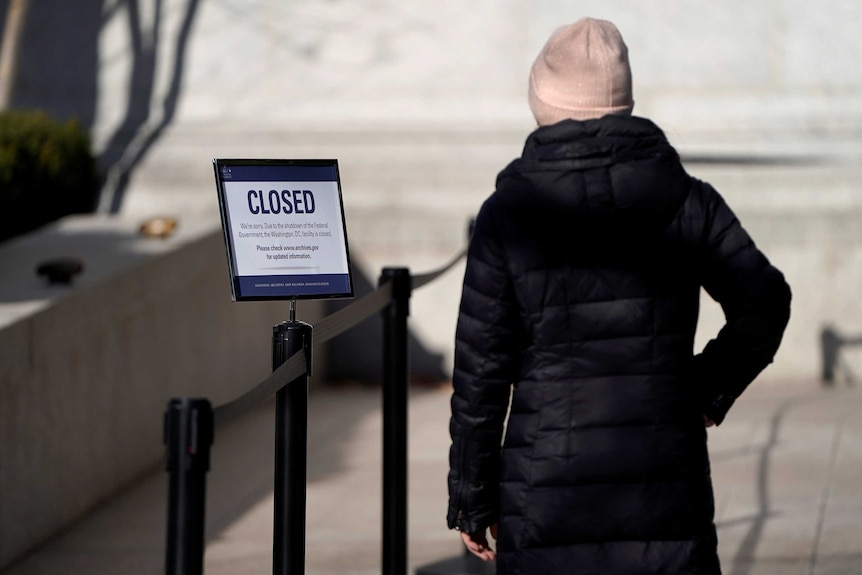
<point>87,370</point>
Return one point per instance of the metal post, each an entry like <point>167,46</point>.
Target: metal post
<point>395,386</point>
<point>291,445</point>
<point>188,434</point>
<point>830,344</point>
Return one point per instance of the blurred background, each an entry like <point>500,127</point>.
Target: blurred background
<point>422,102</point>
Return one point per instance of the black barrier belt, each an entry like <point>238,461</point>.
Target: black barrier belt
<point>294,367</point>
<point>423,279</point>
<point>286,372</point>
<point>363,308</point>
<point>328,328</point>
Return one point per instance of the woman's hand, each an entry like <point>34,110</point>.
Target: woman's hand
<point>477,543</point>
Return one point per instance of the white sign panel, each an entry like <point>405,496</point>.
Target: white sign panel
<point>284,228</point>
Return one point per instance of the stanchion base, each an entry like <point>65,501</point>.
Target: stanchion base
<point>461,565</point>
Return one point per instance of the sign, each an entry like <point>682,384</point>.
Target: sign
<point>284,229</point>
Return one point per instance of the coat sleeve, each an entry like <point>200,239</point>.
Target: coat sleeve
<point>755,299</point>
<point>486,360</point>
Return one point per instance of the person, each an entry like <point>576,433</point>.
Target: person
<point>576,332</point>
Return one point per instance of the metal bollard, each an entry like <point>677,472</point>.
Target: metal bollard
<point>291,448</point>
<point>188,435</point>
<point>395,389</point>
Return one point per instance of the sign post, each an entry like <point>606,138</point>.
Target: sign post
<point>286,239</point>
<point>291,447</point>
<point>188,434</point>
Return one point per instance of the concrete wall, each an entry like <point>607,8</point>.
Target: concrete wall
<point>779,65</point>
<point>86,371</point>
<point>776,67</point>
<point>805,218</point>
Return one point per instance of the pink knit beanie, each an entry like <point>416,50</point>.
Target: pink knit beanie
<point>582,72</point>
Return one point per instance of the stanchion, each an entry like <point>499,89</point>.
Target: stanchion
<point>188,434</point>
<point>291,446</point>
<point>395,389</point>
<point>189,427</point>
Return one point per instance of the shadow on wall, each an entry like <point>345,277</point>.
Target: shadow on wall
<point>130,142</point>
<point>57,71</point>
<point>357,354</point>
<point>58,59</point>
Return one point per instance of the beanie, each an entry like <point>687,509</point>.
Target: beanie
<point>582,72</point>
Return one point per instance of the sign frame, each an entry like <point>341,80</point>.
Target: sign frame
<point>324,171</point>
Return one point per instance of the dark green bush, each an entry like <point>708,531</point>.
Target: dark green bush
<point>47,171</point>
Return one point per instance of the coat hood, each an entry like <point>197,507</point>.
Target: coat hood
<point>610,175</point>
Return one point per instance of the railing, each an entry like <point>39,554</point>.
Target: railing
<point>831,343</point>
<point>190,425</point>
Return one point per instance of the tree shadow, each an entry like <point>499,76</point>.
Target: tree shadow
<point>743,560</point>
<point>57,71</point>
<point>136,135</point>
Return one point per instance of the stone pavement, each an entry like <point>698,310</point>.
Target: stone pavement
<point>787,465</point>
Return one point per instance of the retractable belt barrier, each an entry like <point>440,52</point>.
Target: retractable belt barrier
<point>189,427</point>
<point>329,327</point>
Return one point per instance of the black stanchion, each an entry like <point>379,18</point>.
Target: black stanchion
<point>395,389</point>
<point>189,425</point>
<point>291,446</point>
<point>188,434</point>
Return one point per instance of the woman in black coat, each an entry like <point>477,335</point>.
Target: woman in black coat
<point>577,319</point>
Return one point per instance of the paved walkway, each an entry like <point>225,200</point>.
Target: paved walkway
<point>787,467</point>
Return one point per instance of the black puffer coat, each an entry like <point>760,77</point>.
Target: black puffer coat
<point>581,291</point>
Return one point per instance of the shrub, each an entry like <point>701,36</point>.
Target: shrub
<point>47,171</point>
